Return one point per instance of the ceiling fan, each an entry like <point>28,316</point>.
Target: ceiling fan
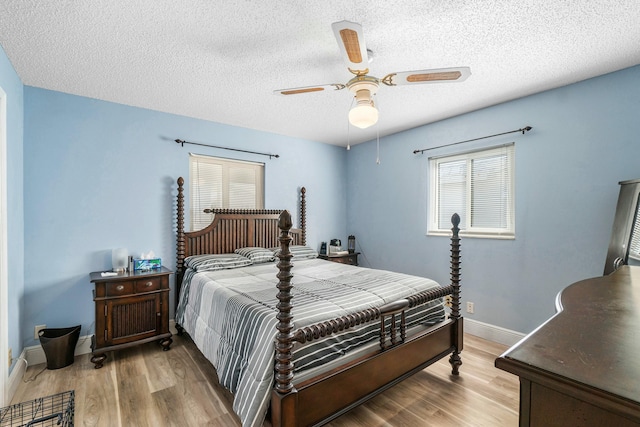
<point>363,86</point>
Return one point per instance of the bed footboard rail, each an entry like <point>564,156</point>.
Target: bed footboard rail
<point>395,311</point>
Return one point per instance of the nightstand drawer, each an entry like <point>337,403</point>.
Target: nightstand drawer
<point>115,289</point>
<point>148,285</point>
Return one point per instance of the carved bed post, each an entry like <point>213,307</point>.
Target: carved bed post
<point>284,395</point>
<point>303,214</point>
<point>180,237</point>
<point>455,359</point>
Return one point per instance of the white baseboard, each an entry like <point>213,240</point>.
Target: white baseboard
<point>491,332</point>
<point>16,375</point>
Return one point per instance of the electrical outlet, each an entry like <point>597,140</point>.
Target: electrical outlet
<point>469,307</point>
<point>10,357</point>
<point>37,329</point>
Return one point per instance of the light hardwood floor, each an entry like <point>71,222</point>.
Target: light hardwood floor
<point>145,386</point>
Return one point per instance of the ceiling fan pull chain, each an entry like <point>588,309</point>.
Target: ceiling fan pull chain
<point>377,138</point>
<point>378,148</point>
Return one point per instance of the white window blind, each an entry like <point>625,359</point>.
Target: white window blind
<point>222,183</point>
<point>452,192</point>
<point>479,187</point>
<point>634,244</point>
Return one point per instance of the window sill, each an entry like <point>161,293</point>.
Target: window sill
<point>474,234</point>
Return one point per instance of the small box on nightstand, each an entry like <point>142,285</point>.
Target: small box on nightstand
<point>146,264</point>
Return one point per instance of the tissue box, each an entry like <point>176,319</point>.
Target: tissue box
<point>146,264</point>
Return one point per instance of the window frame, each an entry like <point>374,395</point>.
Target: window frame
<point>466,228</point>
<point>196,221</point>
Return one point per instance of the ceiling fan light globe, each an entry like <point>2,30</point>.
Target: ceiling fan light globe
<point>363,116</point>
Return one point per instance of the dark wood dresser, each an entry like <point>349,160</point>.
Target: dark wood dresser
<point>351,259</point>
<point>582,366</point>
<point>131,309</point>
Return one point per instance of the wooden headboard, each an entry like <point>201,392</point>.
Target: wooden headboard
<point>231,229</point>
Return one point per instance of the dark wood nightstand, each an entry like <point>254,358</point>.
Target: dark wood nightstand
<point>131,309</point>
<point>351,259</point>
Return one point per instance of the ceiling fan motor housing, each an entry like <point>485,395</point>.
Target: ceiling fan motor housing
<point>364,114</point>
<point>359,83</point>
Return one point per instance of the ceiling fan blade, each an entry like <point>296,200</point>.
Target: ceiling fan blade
<point>351,42</point>
<point>308,89</point>
<point>438,75</point>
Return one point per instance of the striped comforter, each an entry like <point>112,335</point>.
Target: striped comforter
<point>230,315</point>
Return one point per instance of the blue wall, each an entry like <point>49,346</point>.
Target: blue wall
<point>100,175</point>
<point>12,86</point>
<point>584,141</point>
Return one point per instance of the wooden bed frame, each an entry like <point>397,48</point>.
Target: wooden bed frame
<point>323,398</point>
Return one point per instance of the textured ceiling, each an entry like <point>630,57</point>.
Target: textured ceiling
<point>221,61</point>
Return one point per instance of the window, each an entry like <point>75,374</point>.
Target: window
<point>221,183</point>
<point>479,187</point>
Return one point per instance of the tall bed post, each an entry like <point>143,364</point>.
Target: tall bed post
<point>284,390</point>
<point>455,359</point>
<point>303,214</point>
<point>180,239</point>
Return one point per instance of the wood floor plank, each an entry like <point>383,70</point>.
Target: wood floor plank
<point>145,386</point>
<point>136,403</point>
<point>98,404</point>
<point>171,409</point>
<point>197,391</point>
<point>158,367</point>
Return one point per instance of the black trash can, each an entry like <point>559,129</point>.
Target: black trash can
<point>59,344</point>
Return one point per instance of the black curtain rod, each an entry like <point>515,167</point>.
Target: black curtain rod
<point>181,142</point>
<point>523,130</point>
